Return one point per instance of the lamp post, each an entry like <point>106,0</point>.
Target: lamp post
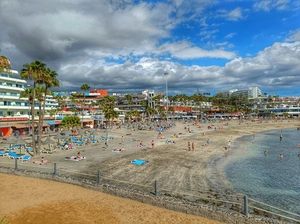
<point>28,86</point>
<point>166,75</point>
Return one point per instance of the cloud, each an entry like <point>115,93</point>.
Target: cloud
<point>126,45</point>
<point>275,66</point>
<point>185,50</point>
<point>208,34</point>
<point>233,15</point>
<point>280,62</point>
<point>267,5</point>
<point>134,28</point>
<point>230,35</point>
<point>295,35</point>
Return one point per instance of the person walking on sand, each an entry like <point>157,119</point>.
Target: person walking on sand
<point>152,143</point>
<point>193,146</point>
<point>208,141</point>
<point>189,146</point>
<point>229,145</point>
<point>123,139</point>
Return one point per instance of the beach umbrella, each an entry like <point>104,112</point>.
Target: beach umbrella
<point>81,132</point>
<point>48,141</point>
<point>20,141</point>
<point>66,136</point>
<point>93,134</point>
<point>49,132</point>
<point>58,136</point>
<point>11,140</point>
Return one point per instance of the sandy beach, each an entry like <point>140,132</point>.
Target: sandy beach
<point>177,170</point>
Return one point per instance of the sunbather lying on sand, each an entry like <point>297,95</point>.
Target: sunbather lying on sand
<point>119,150</point>
<point>75,158</point>
<point>42,161</point>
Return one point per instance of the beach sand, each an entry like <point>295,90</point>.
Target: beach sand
<point>177,170</point>
<point>28,200</point>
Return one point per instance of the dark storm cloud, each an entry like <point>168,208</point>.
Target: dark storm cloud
<point>117,45</point>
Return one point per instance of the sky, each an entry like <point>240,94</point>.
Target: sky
<point>127,46</point>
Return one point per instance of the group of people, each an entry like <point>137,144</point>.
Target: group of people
<point>191,146</point>
<point>68,145</point>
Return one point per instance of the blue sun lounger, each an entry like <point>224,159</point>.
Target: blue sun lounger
<point>13,155</point>
<point>139,162</point>
<point>3,153</point>
<point>26,158</point>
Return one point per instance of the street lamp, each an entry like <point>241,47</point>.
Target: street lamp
<point>166,75</point>
<point>28,86</point>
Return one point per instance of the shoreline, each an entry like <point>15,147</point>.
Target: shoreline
<point>208,153</point>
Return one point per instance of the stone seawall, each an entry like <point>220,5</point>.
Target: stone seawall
<point>167,202</point>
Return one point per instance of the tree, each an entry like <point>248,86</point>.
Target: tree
<point>84,87</point>
<point>4,64</point>
<point>136,114</point>
<point>33,71</point>
<point>108,108</point>
<point>128,97</point>
<point>47,80</point>
<point>129,115</point>
<point>70,121</point>
<point>150,111</point>
<point>40,91</point>
<point>28,93</point>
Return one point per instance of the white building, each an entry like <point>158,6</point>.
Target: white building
<point>11,105</point>
<point>250,93</point>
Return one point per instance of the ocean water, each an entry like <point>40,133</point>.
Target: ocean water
<point>265,178</point>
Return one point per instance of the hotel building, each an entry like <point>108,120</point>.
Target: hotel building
<point>13,109</point>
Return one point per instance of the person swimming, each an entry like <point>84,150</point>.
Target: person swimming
<point>281,156</point>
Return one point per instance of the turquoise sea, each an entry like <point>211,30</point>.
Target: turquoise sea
<point>265,178</point>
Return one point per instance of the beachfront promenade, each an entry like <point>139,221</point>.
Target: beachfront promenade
<point>180,173</point>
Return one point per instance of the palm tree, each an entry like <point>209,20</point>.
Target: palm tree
<point>33,71</point>
<point>4,63</point>
<point>84,87</point>
<point>40,91</point>
<point>47,80</point>
<point>128,97</point>
<point>50,81</point>
<point>28,93</point>
<point>129,115</point>
<point>108,108</point>
<point>150,111</point>
<point>136,114</point>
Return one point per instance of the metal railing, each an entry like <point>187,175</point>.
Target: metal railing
<point>242,204</point>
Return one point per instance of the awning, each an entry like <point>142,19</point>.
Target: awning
<point>86,120</point>
<point>50,122</point>
<point>21,126</point>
